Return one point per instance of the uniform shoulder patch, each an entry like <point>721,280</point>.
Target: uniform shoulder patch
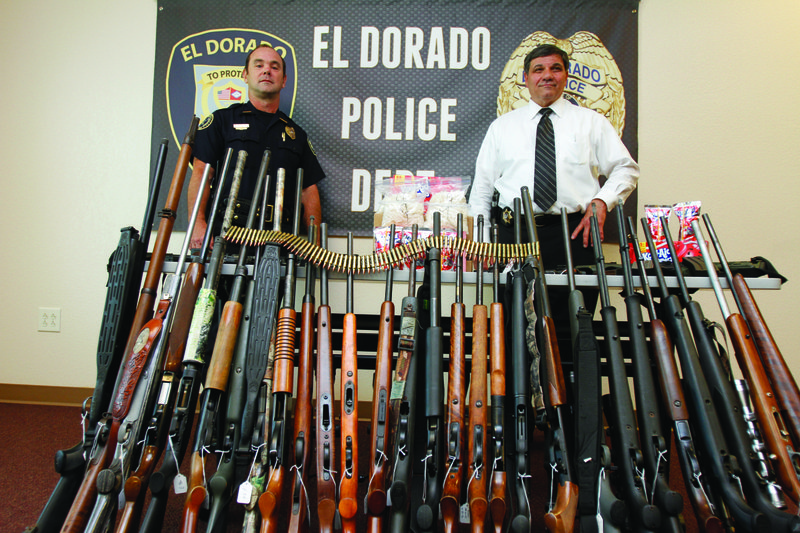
<point>312,148</point>
<point>206,122</point>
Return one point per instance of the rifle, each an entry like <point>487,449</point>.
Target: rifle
<point>589,439</point>
<point>348,504</point>
<point>478,416</point>
<point>193,363</point>
<point>278,453</point>
<point>403,405</point>
<point>766,406</point>
<point>497,356</point>
<point>125,268</point>
<point>728,407</point>
<point>780,375</point>
<point>625,444</point>
<point>216,382</point>
<point>699,490</point>
<point>718,461</point>
<point>456,406</point>
<point>428,512</point>
<point>302,409</point>
<point>326,437</point>
<point>134,360</point>
<point>563,507</point>
<point>652,440</point>
<point>375,500</point>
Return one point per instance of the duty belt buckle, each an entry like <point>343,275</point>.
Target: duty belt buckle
<point>508,216</point>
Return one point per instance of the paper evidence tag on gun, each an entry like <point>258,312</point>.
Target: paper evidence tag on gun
<point>245,493</point>
<point>464,517</point>
<point>179,484</point>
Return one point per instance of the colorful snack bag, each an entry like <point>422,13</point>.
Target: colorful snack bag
<point>687,244</point>
<point>654,214</point>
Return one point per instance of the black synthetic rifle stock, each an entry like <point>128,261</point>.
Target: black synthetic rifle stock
<point>193,364</point>
<point>133,360</point>
<point>662,351</point>
<point>720,466</point>
<point>125,269</point>
<point>653,442</point>
<point>625,447</point>
<point>403,405</point>
<point>563,502</point>
<point>773,429</point>
<point>728,407</point>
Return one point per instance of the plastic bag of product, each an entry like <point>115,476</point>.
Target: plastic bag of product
<point>687,212</point>
<point>653,213</point>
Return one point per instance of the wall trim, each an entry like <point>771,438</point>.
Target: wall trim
<point>44,395</point>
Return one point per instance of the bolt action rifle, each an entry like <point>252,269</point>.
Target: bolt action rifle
<point>774,431</point>
<point>134,361</point>
<point>283,380</point>
<point>497,355</point>
<point>477,430</point>
<point>375,500</point>
<point>652,440</point>
<point>193,364</point>
<point>728,407</point>
<point>700,492</point>
<point>625,447</point>
<point>216,382</point>
<point>403,405</point>
<point>326,437</point>
<point>456,405</point>
<point>125,268</point>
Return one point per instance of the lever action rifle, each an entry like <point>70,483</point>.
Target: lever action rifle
<point>773,429</point>
<point>193,363</point>
<point>718,461</point>
<point>497,355</point>
<point>348,418</point>
<point>375,500</point>
<point>131,366</point>
<point>216,382</point>
<point>125,268</point>
<point>699,490</point>
<point>283,380</point>
<point>428,512</point>
<point>779,373</point>
<point>651,436</point>
<point>456,406</point>
<point>478,410</point>
<point>563,505</point>
<point>625,447</point>
<point>403,404</point>
<point>728,407</point>
<point>326,438</point>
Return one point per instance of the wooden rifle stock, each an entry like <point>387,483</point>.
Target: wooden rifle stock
<point>497,355</point>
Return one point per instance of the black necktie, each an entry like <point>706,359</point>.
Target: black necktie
<point>544,176</point>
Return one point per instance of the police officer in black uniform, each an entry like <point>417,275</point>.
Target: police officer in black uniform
<point>253,127</point>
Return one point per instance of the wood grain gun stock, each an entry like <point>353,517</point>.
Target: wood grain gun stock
<point>455,434</point>
<point>477,431</point>
<point>375,500</point>
<point>697,486</point>
<point>774,431</point>
<point>125,269</point>
<point>134,360</point>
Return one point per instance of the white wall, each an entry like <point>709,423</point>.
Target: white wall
<point>717,108</point>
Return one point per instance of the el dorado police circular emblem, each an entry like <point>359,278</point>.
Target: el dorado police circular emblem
<point>595,80</point>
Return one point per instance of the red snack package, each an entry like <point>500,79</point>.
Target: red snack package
<point>654,214</point>
<point>687,212</point>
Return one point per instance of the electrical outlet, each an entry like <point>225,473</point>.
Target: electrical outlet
<point>49,319</point>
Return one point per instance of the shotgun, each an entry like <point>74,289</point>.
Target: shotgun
<point>192,366</point>
<point>478,409</point>
<point>283,380</point>
<point>562,506</point>
<point>727,404</point>
<point>497,355</point>
<point>625,448</point>
<point>774,431</point>
<point>456,406</point>
<point>134,360</point>
<point>403,405</point>
<point>700,492</point>
<point>125,268</point>
<point>348,417</point>
<point>375,500</point>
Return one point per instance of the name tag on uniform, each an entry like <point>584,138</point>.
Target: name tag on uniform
<point>241,126</point>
